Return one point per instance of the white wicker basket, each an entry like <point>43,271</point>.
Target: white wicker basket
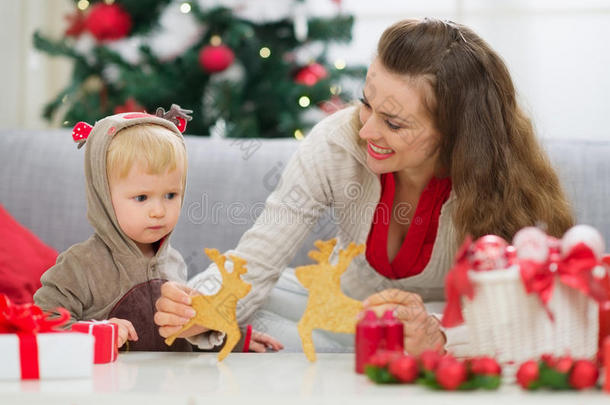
<point>511,325</point>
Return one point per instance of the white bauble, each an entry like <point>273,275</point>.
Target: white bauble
<point>583,234</point>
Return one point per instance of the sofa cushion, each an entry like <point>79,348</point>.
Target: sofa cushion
<point>23,259</point>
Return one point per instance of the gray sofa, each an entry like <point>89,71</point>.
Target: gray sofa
<point>41,185</point>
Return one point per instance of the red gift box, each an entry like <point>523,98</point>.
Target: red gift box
<point>106,339</point>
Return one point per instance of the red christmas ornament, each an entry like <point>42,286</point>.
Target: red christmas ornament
<point>382,358</point>
<point>485,366</point>
<point>130,105</point>
<point>450,373</point>
<point>429,360</point>
<point>584,375</point>
<point>489,253</point>
<point>528,373</point>
<point>310,74</point>
<point>549,360</point>
<point>215,59</point>
<point>404,368</point>
<point>108,22</point>
<point>564,364</point>
<point>77,24</point>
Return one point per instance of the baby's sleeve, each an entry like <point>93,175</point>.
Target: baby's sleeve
<point>61,287</point>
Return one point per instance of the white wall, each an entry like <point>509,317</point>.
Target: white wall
<point>557,50</point>
<point>28,78</point>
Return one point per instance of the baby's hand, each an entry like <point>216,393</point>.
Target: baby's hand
<point>259,342</point>
<point>126,331</point>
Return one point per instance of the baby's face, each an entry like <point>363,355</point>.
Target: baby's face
<point>147,206</point>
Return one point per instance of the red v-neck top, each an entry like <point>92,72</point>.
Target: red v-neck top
<point>417,246</point>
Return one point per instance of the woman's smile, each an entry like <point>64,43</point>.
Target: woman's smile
<point>378,152</point>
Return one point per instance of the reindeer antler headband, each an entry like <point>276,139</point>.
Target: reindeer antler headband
<point>176,115</point>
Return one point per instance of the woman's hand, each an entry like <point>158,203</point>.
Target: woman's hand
<point>174,310</point>
<point>422,330</point>
<point>126,331</point>
<point>259,342</point>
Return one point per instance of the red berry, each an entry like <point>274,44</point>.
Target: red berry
<point>485,366</point>
<point>528,373</point>
<point>382,358</point>
<point>450,373</point>
<point>549,360</point>
<point>404,368</point>
<point>564,364</point>
<point>429,360</point>
<point>584,374</point>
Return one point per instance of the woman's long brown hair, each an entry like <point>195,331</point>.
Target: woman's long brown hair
<point>502,179</point>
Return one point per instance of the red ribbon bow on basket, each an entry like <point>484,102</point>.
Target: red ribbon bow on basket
<point>456,285</point>
<point>575,271</point>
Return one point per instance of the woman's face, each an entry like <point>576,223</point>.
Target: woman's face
<point>399,133</point>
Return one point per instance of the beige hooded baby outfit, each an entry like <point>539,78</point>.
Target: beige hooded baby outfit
<point>107,275</point>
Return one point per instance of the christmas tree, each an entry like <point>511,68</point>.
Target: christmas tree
<point>242,77</point>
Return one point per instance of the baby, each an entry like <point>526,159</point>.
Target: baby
<point>135,174</point>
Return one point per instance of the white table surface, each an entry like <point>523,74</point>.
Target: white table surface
<point>249,378</point>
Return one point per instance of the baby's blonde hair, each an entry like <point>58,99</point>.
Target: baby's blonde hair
<point>155,146</point>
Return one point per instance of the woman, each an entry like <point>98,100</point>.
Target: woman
<point>437,149</point>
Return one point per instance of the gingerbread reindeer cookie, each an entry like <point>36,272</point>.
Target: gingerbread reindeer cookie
<point>328,307</point>
<point>217,312</point>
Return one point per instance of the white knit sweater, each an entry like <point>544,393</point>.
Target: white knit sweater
<point>329,171</point>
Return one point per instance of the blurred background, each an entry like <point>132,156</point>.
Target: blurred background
<point>270,68</point>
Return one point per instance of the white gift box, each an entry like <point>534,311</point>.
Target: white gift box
<point>60,355</point>
<point>506,322</point>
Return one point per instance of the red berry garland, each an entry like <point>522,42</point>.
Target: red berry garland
<point>434,370</point>
<point>562,373</point>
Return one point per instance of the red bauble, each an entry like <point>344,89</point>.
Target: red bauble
<point>429,360</point>
<point>564,364</point>
<point>77,24</point>
<point>310,74</point>
<point>404,368</point>
<point>450,373</point>
<point>584,374</point>
<point>485,366</point>
<point>489,253</point>
<point>215,59</point>
<point>108,22</point>
<point>528,373</point>
<point>382,358</point>
<point>549,360</point>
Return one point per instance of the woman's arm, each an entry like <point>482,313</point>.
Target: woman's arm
<point>303,193</point>
<point>291,210</point>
